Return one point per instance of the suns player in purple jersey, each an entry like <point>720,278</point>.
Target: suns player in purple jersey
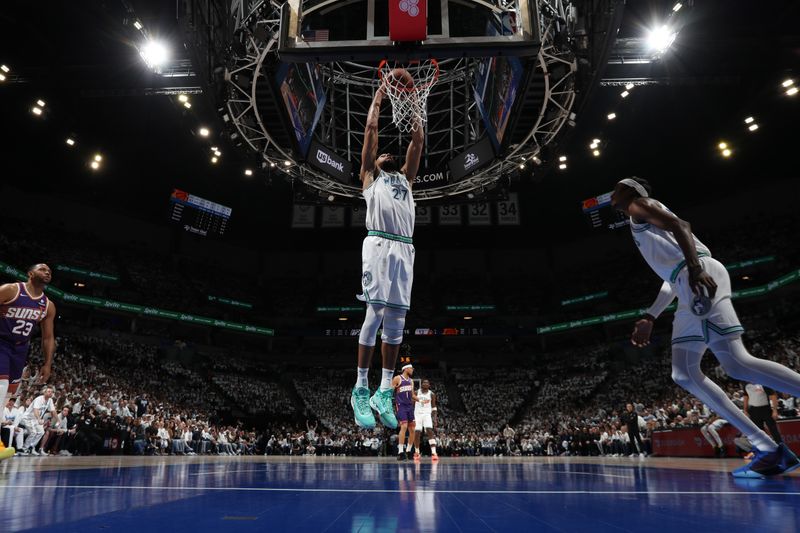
<point>405,398</point>
<point>23,306</point>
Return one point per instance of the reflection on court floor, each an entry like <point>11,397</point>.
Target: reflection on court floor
<point>259,494</point>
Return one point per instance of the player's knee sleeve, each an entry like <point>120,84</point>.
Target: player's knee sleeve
<point>372,322</point>
<point>394,321</point>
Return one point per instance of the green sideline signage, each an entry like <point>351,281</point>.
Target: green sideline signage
<point>470,307</point>
<point>86,273</point>
<point>587,298</point>
<point>228,301</point>
<point>750,262</point>
<point>103,303</point>
<point>782,281</point>
<point>339,309</point>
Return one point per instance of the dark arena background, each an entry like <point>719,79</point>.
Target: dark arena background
<point>188,172</point>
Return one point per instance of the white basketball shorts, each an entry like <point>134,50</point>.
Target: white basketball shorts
<point>719,321</point>
<point>387,272</point>
<point>423,422</point>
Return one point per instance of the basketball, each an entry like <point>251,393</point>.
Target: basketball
<point>401,78</point>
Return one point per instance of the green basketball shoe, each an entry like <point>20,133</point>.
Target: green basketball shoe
<point>359,400</point>
<point>381,401</point>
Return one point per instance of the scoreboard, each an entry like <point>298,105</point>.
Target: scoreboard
<point>198,215</point>
<point>600,214</point>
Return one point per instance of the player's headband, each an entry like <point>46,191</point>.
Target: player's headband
<point>635,185</point>
<point>408,366</point>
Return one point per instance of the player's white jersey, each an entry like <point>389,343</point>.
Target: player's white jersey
<point>390,206</point>
<point>660,249</point>
<point>423,404</point>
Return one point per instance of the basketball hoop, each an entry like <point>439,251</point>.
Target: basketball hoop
<point>409,102</point>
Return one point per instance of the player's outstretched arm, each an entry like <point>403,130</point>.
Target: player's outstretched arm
<point>48,342</point>
<point>414,153</point>
<point>645,209</point>
<point>369,151</point>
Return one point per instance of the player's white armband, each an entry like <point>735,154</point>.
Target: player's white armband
<point>665,297</point>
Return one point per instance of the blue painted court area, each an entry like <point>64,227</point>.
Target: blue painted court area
<point>319,495</point>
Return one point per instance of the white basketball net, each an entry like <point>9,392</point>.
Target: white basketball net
<point>409,104</point>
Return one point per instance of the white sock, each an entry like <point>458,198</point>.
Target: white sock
<point>409,447</point>
<point>386,378</point>
<point>362,380</point>
<point>400,448</point>
<point>432,442</point>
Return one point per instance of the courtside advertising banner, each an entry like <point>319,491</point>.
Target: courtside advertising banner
<point>689,442</point>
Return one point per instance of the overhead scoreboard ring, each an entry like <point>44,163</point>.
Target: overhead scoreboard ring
<point>261,26</point>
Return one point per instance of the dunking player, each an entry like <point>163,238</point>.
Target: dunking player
<point>705,318</point>
<point>425,416</point>
<point>406,398</point>
<point>23,305</point>
<point>387,261</point>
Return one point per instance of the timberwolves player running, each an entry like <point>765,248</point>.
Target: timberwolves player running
<point>425,418</point>
<point>22,306</point>
<point>705,318</point>
<point>406,398</point>
<point>387,263</point>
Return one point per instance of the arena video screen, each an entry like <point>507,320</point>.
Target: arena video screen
<point>600,214</point>
<point>495,92</point>
<point>300,88</point>
<point>197,215</point>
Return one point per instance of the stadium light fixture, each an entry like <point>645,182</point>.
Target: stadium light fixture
<point>467,318</point>
<point>562,158</point>
<point>5,69</point>
<point>272,164</point>
<point>36,110</point>
<point>612,116</point>
<point>522,166</point>
<point>563,166</point>
<point>624,94</point>
<point>70,141</point>
<point>183,98</point>
<point>95,165</point>
<point>137,25</point>
<point>217,153</point>
<point>154,53</point>
<point>40,103</point>
<point>677,7</point>
<point>596,153</point>
<point>786,83</point>
<point>342,319</point>
<point>2,77</point>
<point>248,172</point>
<point>723,145</point>
<point>727,152</point>
<point>287,163</point>
<point>791,91</point>
<point>98,158</point>
<point>753,127</point>
<point>749,120</point>
<point>660,39</point>
<point>331,198</point>
<point>214,160</point>
<point>187,105</point>
<point>204,132</point>
<point>628,86</point>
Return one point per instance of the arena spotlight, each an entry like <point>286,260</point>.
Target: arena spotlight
<point>40,103</point>
<point>727,152</point>
<point>753,127</point>
<point>204,132</point>
<point>562,158</point>
<point>612,116</point>
<point>248,172</point>
<point>272,164</point>
<point>154,54</point>
<point>98,158</point>
<point>749,120</point>
<point>214,160</point>
<point>786,83</point>
<point>342,319</point>
<point>331,198</point>
<point>2,77</point>
<point>36,110</point>
<point>596,153</point>
<point>791,91</point>
<point>563,166</point>
<point>137,25</point>
<point>95,165</point>
<point>70,141</point>
<point>217,153</point>
<point>677,7</point>
<point>467,318</point>
<point>660,39</point>
<point>5,69</point>
<point>624,94</point>
<point>628,86</point>
<point>522,166</point>
<point>287,163</point>
<point>722,146</point>
<point>183,98</point>
<point>187,105</point>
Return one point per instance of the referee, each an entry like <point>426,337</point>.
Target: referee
<point>761,405</point>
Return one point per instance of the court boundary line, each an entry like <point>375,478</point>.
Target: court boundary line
<point>416,491</point>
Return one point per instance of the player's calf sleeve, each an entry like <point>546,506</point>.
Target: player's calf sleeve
<point>3,391</point>
<point>394,321</point>
<point>372,321</point>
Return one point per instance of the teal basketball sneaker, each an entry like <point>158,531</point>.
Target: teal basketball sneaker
<point>381,401</point>
<point>360,401</point>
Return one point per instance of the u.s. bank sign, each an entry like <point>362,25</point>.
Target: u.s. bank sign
<point>326,160</point>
